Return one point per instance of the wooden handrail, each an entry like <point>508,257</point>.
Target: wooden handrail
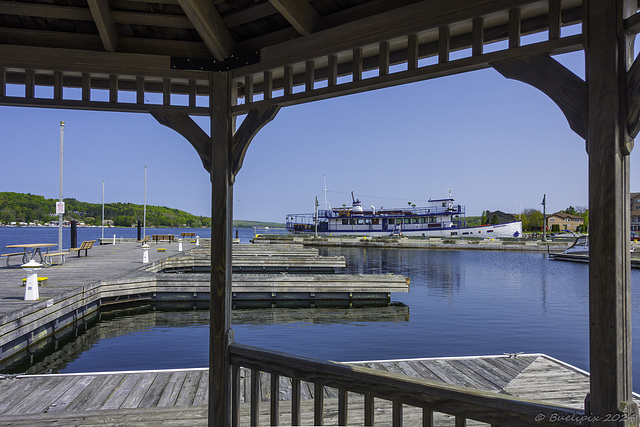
<point>461,402</point>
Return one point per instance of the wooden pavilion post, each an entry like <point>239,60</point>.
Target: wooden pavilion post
<point>608,56</point>
<point>220,333</point>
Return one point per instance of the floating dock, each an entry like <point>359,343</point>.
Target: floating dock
<point>179,396</point>
<point>113,274</point>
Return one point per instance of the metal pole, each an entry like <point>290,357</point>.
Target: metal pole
<point>144,211</point>
<point>544,218</point>
<point>102,209</point>
<point>61,213</point>
<point>315,219</point>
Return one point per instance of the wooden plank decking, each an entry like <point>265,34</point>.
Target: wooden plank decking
<point>178,397</point>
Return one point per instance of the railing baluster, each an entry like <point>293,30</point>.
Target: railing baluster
<point>332,70</point>
<point>295,402</point>
<point>383,58</point>
<point>555,19</point>
<point>343,407</point>
<point>318,404</point>
<point>275,400</point>
<point>192,93</point>
<point>514,28</point>
<point>255,397</point>
<point>397,414</point>
<point>248,89</point>
<point>29,83</point>
<point>443,44</point>
<point>3,81</point>
<point>477,41</point>
<point>113,88</point>
<point>356,68</point>
<point>427,417</point>
<point>166,92</point>
<point>368,410</point>
<point>310,75</point>
<point>461,421</point>
<point>412,52</point>
<point>288,80</point>
<point>86,87</point>
<point>235,395</point>
<point>57,85</point>
<point>140,90</point>
<point>268,84</point>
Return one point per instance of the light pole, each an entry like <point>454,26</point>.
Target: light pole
<point>60,204</point>
<point>544,218</point>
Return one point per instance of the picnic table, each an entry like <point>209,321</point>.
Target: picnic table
<point>29,251</point>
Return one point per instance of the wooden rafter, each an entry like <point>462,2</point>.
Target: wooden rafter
<point>106,28</point>
<point>207,21</point>
<point>255,120</point>
<point>300,14</point>
<point>567,90</point>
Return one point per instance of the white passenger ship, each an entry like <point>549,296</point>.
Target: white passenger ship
<point>442,218</point>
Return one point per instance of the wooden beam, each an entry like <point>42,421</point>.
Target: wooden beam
<point>564,45</point>
<point>251,125</point>
<point>300,14</point>
<point>185,126</point>
<point>106,28</point>
<point>608,55</point>
<point>566,89</point>
<point>477,41</point>
<point>210,26</point>
<point>220,333</point>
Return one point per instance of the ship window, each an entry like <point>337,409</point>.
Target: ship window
<point>489,231</point>
<point>345,221</point>
<point>444,205</point>
<point>367,221</point>
<point>454,233</point>
<point>352,221</point>
<point>375,221</point>
<point>407,220</point>
<point>414,220</point>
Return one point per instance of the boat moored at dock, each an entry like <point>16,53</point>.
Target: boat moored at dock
<point>441,218</point>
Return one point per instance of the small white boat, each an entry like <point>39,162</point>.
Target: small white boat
<point>579,247</point>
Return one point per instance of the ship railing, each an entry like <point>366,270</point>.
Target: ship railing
<point>429,210</point>
<point>272,393</point>
<point>271,231</point>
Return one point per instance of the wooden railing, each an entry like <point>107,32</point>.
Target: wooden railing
<point>371,390</point>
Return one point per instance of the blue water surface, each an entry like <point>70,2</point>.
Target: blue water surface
<point>460,303</point>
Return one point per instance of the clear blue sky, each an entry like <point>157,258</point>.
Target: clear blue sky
<point>497,143</point>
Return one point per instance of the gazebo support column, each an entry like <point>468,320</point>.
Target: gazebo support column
<point>220,333</point>
<point>608,58</point>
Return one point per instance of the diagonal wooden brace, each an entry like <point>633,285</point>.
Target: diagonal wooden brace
<point>567,90</point>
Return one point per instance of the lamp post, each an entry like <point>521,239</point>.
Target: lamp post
<point>60,204</point>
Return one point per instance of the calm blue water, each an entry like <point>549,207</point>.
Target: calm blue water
<point>460,303</point>
<point>17,235</point>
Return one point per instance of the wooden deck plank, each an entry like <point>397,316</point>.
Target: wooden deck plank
<point>124,396</point>
<point>172,390</point>
<point>153,394</point>
<point>202,393</point>
<point>30,402</point>
<point>76,388</point>
<point>82,399</point>
<point>120,394</point>
<point>138,392</point>
<point>188,390</point>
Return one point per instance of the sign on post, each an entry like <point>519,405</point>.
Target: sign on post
<point>59,208</point>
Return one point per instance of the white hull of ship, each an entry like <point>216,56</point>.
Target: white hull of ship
<point>511,229</point>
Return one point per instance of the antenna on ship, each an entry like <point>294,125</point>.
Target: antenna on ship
<point>353,198</point>
<point>326,205</point>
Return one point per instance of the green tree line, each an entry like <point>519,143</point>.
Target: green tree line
<point>19,207</point>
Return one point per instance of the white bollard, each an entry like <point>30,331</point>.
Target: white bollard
<point>180,244</point>
<point>145,254</point>
<point>114,239</point>
<point>31,287</point>
<point>197,240</point>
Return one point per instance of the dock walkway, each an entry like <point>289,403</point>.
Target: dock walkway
<point>179,397</point>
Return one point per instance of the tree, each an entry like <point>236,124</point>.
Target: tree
<point>570,210</point>
<point>484,218</point>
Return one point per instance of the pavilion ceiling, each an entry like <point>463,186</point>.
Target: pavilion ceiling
<point>111,54</point>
